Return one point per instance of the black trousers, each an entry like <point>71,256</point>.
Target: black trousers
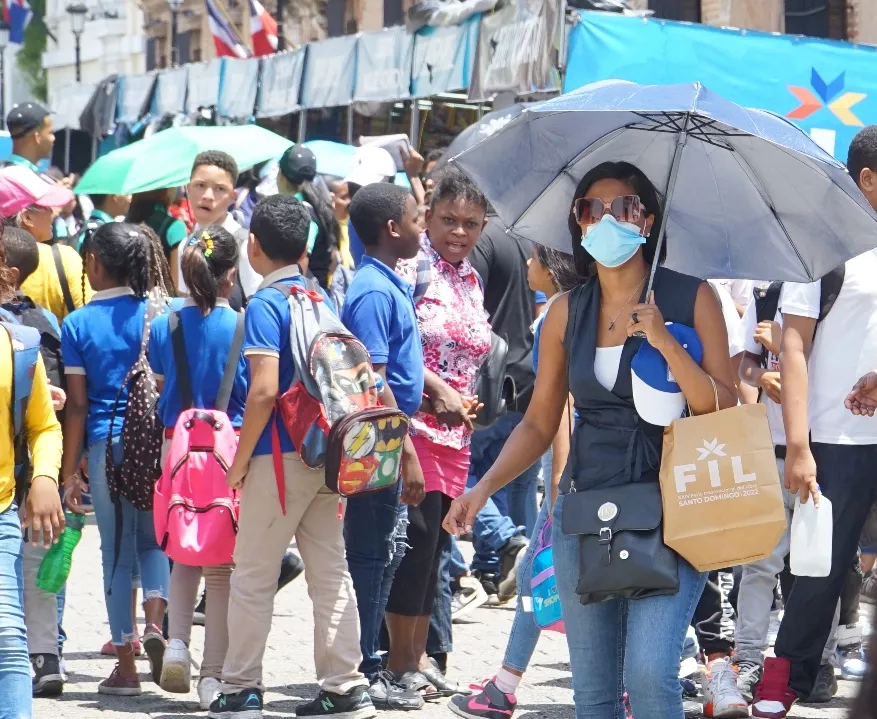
<point>714,616</point>
<point>848,477</point>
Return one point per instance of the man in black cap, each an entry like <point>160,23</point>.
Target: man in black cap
<point>33,136</point>
<point>297,169</point>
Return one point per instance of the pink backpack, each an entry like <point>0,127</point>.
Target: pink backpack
<point>195,512</point>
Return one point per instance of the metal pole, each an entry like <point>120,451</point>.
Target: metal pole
<point>414,130</point>
<point>175,59</point>
<point>66,150</point>
<point>302,124</point>
<point>350,124</point>
<point>3,88</point>
<point>281,37</point>
<point>78,60</point>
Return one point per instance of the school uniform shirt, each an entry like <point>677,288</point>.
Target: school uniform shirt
<point>208,340</point>
<point>249,278</point>
<point>267,333</point>
<point>379,311</point>
<point>748,327</point>
<point>731,317</point>
<point>102,341</point>
<point>40,423</point>
<point>44,285</point>
<point>741,291</point>
<point>844,349</point>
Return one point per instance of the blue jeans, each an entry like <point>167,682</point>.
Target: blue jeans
<point>525,632</point>
<point>622,644</point>
<point>137,544</point>
<point>375,527</point>
<point>491,532</point>
<point>439,638</point>
<point>456,564</point>
<point>15,682</point>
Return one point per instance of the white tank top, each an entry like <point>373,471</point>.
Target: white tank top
<point>606,363</point>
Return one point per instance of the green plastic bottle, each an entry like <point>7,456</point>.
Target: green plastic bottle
<point>55,567</point>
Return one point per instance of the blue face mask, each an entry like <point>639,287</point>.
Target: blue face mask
<point>612,243</point>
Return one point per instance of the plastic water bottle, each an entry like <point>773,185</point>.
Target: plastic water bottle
<point>811,539</point>
<point>55,567</point>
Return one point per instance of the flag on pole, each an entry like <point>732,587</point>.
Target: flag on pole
<point>263,29</point>
<point>18,14</point>
<point>225,38</point>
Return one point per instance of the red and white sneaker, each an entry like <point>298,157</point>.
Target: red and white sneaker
<point>109,649</point>
<point>774,697</point>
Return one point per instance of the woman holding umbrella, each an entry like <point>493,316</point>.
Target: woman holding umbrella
<point>630,637</point>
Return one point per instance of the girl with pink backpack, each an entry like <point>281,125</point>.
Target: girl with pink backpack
<point>195,353</point>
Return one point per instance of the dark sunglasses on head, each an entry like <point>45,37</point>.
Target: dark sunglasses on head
<point>625,208</point>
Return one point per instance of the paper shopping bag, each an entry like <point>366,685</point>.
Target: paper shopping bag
<point>720,488</point>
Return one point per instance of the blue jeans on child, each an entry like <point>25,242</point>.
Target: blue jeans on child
<point>623,645</point>
<point>137,545</point>
<point>375,526</point>
<point>15,681</point>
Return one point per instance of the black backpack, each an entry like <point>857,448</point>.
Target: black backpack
<point>30,314</point>
<point>767,300</point>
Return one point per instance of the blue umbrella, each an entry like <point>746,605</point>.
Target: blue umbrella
<point>748,194</point>
<point>338,159</point>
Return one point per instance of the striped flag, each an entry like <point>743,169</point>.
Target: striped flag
<point>263,29</point>
<point>225,38</point>
<point>18,14</point>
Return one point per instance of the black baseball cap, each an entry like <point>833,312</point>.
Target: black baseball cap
<point>298,164</point>
<point>24,118</point>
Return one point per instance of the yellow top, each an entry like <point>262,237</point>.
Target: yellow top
<point>41,425</point>
<point>44,287</point>
<point>344,246</point>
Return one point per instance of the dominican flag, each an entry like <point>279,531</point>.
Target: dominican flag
<point>225,38</point>
<point>263,29</point>
<point>18,14</point>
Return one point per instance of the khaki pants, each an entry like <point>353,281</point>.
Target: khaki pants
<point>40,608</point>
<point>181,608</point>
<point>263,538</point>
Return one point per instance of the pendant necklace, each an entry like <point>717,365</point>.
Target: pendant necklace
<point>613,320</point>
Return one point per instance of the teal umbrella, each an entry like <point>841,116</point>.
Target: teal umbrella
<point>165,159</point>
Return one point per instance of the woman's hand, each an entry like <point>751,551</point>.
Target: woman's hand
<point>769,335</point>
<point>235,476</point>
<point>44,512</point>
<point>451,408</point>
<point>647,319</point>
<point>862,399</point>
<point>461,516</point>
<point>770,383</point>
<point>72,491</point>
<point>59,398</point>
<point>800,474</point>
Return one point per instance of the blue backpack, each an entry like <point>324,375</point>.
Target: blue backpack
<point>25,343</point>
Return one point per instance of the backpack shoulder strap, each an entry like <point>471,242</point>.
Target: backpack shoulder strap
<point>62,278</point>
<point>181,363</point>
<point>25,343</point>
<point>830,287</point>
<point>767,302</point>
<point>231,365</point>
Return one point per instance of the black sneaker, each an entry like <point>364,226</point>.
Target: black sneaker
<point>386,693</point>
<point>290,567</point>
<point>825,686</point>
<point>241,705</point>
<point>510,557</point>
<point>48,680</point>
<point>489,581</point>
<point>355,704</point>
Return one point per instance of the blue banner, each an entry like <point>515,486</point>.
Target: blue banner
<point>443,58</point>
<point>828,88</point>
<point>330,70</point>
<point>237,87</point>
<point>383,65</point>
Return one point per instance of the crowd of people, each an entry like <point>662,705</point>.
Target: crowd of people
<point>180,298</point>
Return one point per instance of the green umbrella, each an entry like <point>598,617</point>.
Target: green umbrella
<point>165,159</point>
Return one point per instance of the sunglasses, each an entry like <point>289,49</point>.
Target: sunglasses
<point>625,208</point>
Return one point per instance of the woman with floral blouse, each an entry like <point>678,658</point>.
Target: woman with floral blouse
<point>456,339</point>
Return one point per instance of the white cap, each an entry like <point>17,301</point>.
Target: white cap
<point>372,164</point>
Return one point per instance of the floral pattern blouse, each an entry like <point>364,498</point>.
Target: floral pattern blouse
<point>454,332</point>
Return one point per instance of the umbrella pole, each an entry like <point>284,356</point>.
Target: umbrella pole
<point>681,140</point>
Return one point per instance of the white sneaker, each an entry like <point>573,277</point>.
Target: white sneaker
<point>208,690</point>
<point>176,671</point>
<point>470,596</point>
<point>721,697</point>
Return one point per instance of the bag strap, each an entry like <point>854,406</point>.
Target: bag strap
<point>181,364</point>
<point>830,287</point>
<point>62,278</point>
<point>231,365</point>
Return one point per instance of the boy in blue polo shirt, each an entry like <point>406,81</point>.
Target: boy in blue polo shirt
<point>277,250</point>
<point>379,310</point>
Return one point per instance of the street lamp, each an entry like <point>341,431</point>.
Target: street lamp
<point>174,6</point>
<point>4,41</point>
<point>77,14</point>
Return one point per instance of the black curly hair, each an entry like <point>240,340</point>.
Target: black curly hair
<point>126,254</point>
<point>207,260</point>
<point>561,266</point>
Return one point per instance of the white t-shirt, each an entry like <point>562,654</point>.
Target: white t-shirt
<point>732,319</point>
<point>844,349</point>
<point>747,327</point>
<point>250,279</point>
<point>741,291</point>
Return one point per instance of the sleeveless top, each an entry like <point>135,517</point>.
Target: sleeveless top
<point>611,445</point>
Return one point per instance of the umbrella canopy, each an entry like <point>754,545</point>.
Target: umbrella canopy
<point>333,158</point>
<point>488,125</point>
<point>750,195</point>
<point>165,159</point>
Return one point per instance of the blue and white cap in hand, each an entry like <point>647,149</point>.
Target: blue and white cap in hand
<point>656,395</point>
